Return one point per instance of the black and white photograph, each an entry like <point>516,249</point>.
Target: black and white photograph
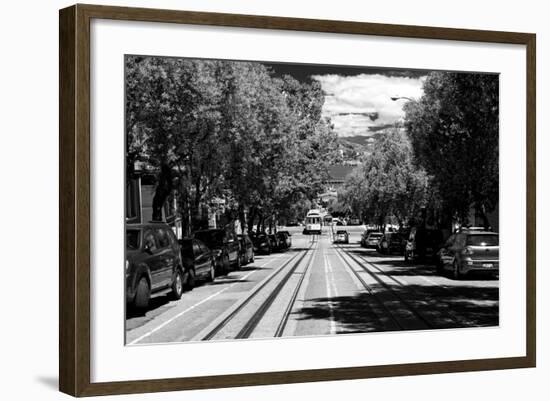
<point>268,199</point>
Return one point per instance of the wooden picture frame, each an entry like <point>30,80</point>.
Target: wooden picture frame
<point>74,199</point>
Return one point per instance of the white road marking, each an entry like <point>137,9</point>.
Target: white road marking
<point>152,331</point>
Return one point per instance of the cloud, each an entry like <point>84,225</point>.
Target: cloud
<point>354,102</point>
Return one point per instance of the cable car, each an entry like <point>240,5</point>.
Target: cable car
<point>313,222</point>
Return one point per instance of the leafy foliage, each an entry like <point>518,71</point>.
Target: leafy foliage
<point>454,133</point>
<point>387,183</point>
<point>227,130</point>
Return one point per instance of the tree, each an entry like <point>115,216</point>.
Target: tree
<point>311,148</point>
<point>387,184</point>
<point>223,129</point>
<point>173,121</point>
<point>454,132</point>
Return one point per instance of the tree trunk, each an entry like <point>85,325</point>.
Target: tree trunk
<point>251,217</point>
<point>242,219</point>
<point>260,223</point>
<point>164,187</point>
<point>481,211</point>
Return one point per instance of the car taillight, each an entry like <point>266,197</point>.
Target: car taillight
<point>468,251</point>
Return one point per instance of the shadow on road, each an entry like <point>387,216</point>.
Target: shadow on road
<point>154,303</point>
<point>228,281</point>
<point>252,268</point>
<point>464,306</point>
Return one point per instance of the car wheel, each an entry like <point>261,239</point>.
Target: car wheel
<point>457,275</point>
<point>190,280</point>
<point>177,285</point>
<point>212,272</point>
<point>143,293</point>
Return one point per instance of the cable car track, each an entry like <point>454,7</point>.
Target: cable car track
<point>389,313</point>
<point>448,308</point>
<point>251,323</point>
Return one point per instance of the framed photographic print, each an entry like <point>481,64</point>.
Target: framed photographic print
<point>250,200</point>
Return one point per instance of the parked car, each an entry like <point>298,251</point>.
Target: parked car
<point>364,236</point>
<point>285,241</point>
<point>423,244</point>
<point>198,258</point>
<point>469,251</point>
<point>153,264</point>
<point>246,250</point>
<point>341,237</point>
<point>225,246</point>
<point>262,243</point>
<point>372,240</point>
<point>392,242</point>
<point>275,242</point>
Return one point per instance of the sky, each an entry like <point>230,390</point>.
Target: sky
<point>358,99</point>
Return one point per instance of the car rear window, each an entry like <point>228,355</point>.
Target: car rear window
<point>132,239</point>
<point>482,240</point>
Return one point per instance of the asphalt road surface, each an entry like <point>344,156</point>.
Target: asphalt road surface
<point>318,288</point>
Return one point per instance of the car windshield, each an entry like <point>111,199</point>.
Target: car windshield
<point>210,238</point>
<point>132,239</point>
<point>482,240</point>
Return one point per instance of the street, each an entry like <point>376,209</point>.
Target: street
<point>318,288</point>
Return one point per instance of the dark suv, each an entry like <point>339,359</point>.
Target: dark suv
<point>392,242</point>
<point>423,244</point>
<point>153,264</point>
<point>262,243</point>
<point>224,245</point>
